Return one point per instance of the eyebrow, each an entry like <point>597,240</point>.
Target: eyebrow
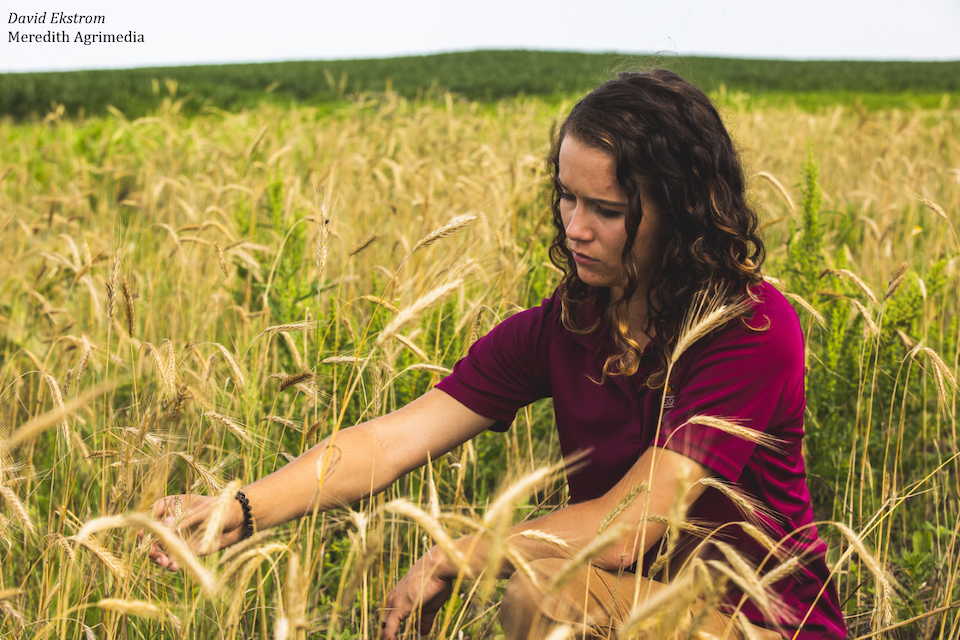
<point>609,203</point>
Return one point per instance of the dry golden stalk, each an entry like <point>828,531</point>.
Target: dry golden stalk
<point>109,560</point>
<point>85,350</point>
<point>131,607</point>
<point>173,544</point>
<point>428,524</point>
<point>323,238</point>
<point>284,421</point>
<point>41,423</point>
<point>12,614</point>
<point>867,320</point>
<point>221,259</point>
<point>454,225</point>
<point>287,381</point>
<point>293,349</point>
<point>409,344</point>
<point>210,541</point>
<point>414,310</point>
<point>432,368</point>
<point>744,433</point>
<point>854,278</point>
<point>786,568</point>
<point>128,306</point>
<point>341,360</point>
<point>779,188</point>
<point>102,453</point>
<point>475,328</point>
<point>369,240</point>
<point>941,376</point>
<point>231,426</point>
<point>296,326</point>
<point>17,507</point>
<point>208,478</point>
<point>622,506</point>
<point>381,302</point>
<point>239,592</point>
<point>898,277</point>
<point>545,537</point>
<point>816,315</point>
<point>243,546</point>
<point>239,380</point>
<point>586,554</point>
<point>707,314</point>
<point>933,206</point>
<point>113,283</point>
<point>771,607</point>
<point>9,594</point>
<point>65,547</point>
<point>748,505</point>
<point>769,543</point>
<point>57,395</point>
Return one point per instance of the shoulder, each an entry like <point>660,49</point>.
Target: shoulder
<point>770,336</point>
<point>774,315</point>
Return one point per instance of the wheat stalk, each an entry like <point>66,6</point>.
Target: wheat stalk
<point>898,277</point>
<point>172,544</point>
<point>414,310</point>
<point>17,507</point>
<point>586,554</point>
<point>728,425</point>
<point>816,315</point>
<point>131,607</point>
<point>854,278</point>
<point>213,530</point>
<point>454,225</point>
<point>128,306</point>
<point>867,320</point>
<point>779,188</point>
<point>706,315</point>
<point>369,240</point>
<point>239,380</point>
<point>231,426</point>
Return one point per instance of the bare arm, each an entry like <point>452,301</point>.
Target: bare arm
<point>427,582</point>
<point>358,462</point>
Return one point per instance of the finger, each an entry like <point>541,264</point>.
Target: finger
<point>393,624</point>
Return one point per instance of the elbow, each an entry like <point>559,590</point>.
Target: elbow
<point>616,557</point>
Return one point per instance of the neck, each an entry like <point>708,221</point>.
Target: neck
<point>638,312</point>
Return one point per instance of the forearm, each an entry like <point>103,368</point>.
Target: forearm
<point>363,460</point>
<point>673,480</point>
<point>352,470</point>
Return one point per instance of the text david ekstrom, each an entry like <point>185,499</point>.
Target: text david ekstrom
<point>59,17</point>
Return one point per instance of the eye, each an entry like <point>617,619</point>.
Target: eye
<point>567,197</point>
<point>607,213</point>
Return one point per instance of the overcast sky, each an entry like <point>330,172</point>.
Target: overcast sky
<point>178,32</point>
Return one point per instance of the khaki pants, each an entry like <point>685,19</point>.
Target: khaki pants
<point>594,604</point>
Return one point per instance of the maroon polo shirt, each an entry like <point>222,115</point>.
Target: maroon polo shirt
<point>741,373</point>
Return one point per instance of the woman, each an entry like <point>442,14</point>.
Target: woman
<point>649,210</point>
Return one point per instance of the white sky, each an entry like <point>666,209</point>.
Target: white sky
<point>179,32</point>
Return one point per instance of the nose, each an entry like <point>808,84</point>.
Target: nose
<point>578,227</point>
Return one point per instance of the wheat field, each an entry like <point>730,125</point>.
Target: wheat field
<point>190,302</point>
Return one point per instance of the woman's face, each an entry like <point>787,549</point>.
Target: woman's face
<point>593,207</point>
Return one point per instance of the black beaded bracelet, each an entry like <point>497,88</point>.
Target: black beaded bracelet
<point>247,515</point>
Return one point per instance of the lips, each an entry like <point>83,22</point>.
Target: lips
<point>583,259</point>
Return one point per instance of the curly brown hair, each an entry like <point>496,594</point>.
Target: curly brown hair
<point>667,139</point>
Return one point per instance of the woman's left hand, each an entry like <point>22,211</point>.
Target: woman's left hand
<point>424,588</point>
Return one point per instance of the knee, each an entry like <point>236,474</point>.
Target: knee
<point>521,600</point>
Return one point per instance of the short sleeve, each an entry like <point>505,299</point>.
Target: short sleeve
<point>508,368</point>
<point>751,373</point>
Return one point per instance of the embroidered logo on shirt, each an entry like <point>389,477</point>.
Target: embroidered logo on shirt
<point>669,398</point>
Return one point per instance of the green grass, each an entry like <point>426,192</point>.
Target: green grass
<point>476,75</point>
